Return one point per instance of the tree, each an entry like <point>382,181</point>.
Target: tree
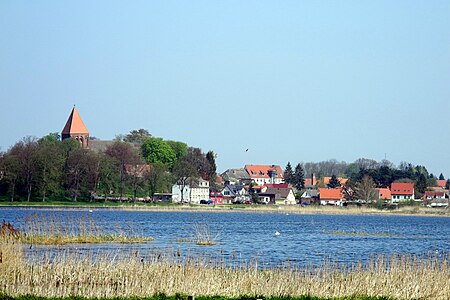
<point>26,153</point>
<point>109,177</point>
<point>123,154</point>
<point>447,184</point>
<point>299,177</point>
<point>136,136</point>
<point>183,171</point>
<point>365,189</point>
<point>155,178</point>
<point>155,150</point>
<point>421,185</point>
<point>212,175</point>
<point>334,182</point>
<point>50,163</point>
<point>441,177</point>
<point>75,171</point>
<point>197,159</point>
<point>179,148</point>
<point>288,174</point>
<point>11,171</point>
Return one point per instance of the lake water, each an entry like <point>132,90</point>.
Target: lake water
<point>302,239</point>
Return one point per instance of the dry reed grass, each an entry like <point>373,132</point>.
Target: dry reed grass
<point>401,277</point>
<point>54,231</point>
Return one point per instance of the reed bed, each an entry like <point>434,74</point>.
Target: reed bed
<point>145,274</point>
<point>54,231</point>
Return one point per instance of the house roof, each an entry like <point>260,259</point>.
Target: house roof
<point>74,124</point>
<point>330,194</point>
<point>310,193</point>
<point>280,193</point>
<point>402,188</point>
<point>235,174</point>
<point>441,183</point>
<point>384,193</point>
<point>262,171</point>
<point>435,193</point>
<point>326,180</point>
<point>277,185</point>
<point>137,170</point>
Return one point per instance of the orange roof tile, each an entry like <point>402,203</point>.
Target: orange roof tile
<point>441,183</point>
<point>384,193</point>
<point>330,194</point>
<point>400,188</point>
<point>74,124</point>
<point>326,180</point>
<point>262,171</point>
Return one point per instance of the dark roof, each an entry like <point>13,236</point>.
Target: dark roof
<point>235,175</point>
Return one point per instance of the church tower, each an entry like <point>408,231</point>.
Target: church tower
<point>76,129</point>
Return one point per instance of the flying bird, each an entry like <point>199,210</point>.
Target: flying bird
<point>246,150</point>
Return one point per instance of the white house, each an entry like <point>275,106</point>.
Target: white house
<point>193,191</point>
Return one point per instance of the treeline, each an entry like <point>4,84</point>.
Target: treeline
<point>134,165</point>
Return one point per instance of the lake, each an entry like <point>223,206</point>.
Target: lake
<point>272,238</point>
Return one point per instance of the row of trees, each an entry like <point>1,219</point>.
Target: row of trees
<point>135,165</point>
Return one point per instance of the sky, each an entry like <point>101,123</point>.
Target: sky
<point>296,81</point>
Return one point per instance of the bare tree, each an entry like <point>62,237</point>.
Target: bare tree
<point>365,189</point>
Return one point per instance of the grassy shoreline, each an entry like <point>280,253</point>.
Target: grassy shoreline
<point>328,210</point>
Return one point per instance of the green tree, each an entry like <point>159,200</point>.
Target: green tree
<point>288,174</point>
<point>155,150</point>
<point>155,178</point>
<point>50,163</point>
<point>179,148</point>
<point>212,175</point>
<point>136,136</point>
<point>334,182</point>
<point>447,184</point>
<point>421,185</point>
<point>11,173</point>
<point>299,177</point>
<point>109,176</point>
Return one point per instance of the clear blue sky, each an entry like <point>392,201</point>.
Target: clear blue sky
<point>289,80</point>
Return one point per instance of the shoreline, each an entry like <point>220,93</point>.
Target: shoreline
<point>272,209</point>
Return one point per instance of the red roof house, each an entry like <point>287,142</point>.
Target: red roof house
<point>261,174</point>
<point>384,193</point>
<point>330,196</point>
<point>441,183</point>
<point>402,191</point>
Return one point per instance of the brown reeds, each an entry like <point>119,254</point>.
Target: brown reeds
<point>56,231</point>
<point>136,274</point>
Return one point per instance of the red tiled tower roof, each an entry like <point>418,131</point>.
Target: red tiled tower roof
<point>74,124</point>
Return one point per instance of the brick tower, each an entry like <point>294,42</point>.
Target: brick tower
<point>76,129</point>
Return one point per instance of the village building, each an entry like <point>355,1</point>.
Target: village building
<point>402,191</point>
<point>262,174</point>
<point>234,193</point>
<point>330,196</point>
<point>76,129</point>
<point>193,191</point>
<point>309,196</point>
<point>278,195</point>
<point>236,177</point>
<point>384,194</point>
